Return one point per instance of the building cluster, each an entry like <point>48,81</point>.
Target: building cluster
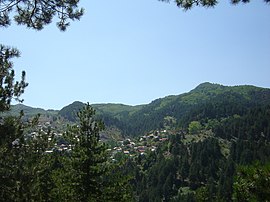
<point>46,130</point>
<point>141,145</point>
<point>128,147</point>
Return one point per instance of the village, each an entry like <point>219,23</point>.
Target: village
<point>127,146</point>
<point>139,146</point>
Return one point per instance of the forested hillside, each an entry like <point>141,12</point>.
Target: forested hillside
<point>215,133</point>
<point>202,164</point>
<point>204,145</point>
<point>207,102</point>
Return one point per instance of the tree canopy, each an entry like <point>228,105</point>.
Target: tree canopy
<point>9,89</point>
<point>188,4</point>
<point>252,183</point>
<point>37,13</point>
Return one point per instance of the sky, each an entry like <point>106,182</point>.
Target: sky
<point>135,51</point>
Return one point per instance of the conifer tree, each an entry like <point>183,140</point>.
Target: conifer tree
<point>87,172</point>
<point>25,172</point>
<point>188,4</point>
<point>23,165</point>
<point>9,89</point>
<point>88,156</point>
<point>252,183</point>
<point>37,13</point>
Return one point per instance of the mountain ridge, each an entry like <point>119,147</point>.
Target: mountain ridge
<point>206,101</point>
<point>200,88</point>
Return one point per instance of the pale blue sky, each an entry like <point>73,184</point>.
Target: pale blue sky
<point>135,51</point>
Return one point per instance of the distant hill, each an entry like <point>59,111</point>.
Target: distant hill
<point>116,109</point>
<point>69,112</point>
<point>29,111</point>
<point>206,101</point>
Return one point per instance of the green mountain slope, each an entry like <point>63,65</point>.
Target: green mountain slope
<point>116,110</point>
<point>28,111</point>
<point>204,165</point>
<point>206,101</point>
<point>112,110</point>
<point>69,112</point>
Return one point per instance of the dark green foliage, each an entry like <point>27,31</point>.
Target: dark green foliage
<point>86,169</point>
<point>254,124</point>
<point>188,4</point>
<point>35,14</point>
<point>88,156</point>
<point>206,103</point>
<point>252,183</point>
<point>117,183</point>
<point>224,188</point>
<point>23,165</point>
<point>84,173</point>
<point>70,112</point>
<point>181,171</point>
<point>164,174</point>
<point>9,89</point>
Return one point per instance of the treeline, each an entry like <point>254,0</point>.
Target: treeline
<point>206,102</point>
<point>179,169</point>
<point>199,170</point>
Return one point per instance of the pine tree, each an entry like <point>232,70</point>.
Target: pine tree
<point>252,183</point>
<point>9,89</point>
<point>35,14</point>
<point>88,157</point>
<point>87,172</point>
<point>23,165</point>
<point>188,4</point>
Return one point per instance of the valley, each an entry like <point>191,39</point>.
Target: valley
<point>186,147</point>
